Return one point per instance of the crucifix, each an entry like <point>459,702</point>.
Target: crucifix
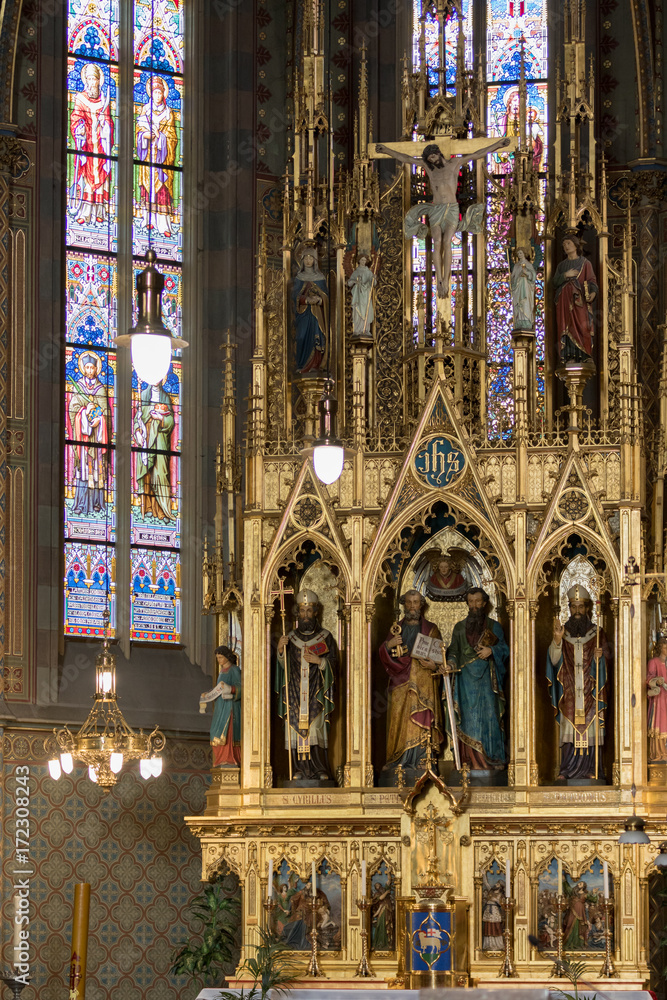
<point>442,162</point>
<point>427,830</point>
<point>281,594</point>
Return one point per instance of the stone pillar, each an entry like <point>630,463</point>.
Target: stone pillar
<point>11,154</point>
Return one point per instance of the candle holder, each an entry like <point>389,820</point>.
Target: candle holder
<point>15,985</point>
<point>508,970</point>
<point>269,905</point>
<point>364,969</point>
<point>608,969</point>
<point>557,971</point>
<point>314,970</point>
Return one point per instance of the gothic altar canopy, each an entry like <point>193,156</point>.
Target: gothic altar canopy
<point>450,689</point>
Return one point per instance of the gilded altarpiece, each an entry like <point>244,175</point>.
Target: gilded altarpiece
<point>533,498</point>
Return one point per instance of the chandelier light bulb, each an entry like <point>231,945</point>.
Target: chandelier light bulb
<point>328,451</point>
<point>107,681</point>
<point>54,768</point>
<point>145,769</point>
<point>328,462</point>
<point>116,762</point>
<point>151,356</point>
<point>156,766</point>
<point>92,773</point>
<point>67,762</point>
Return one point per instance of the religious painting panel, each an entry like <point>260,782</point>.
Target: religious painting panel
<point>92,96</point>
<point>90,433</point>
<point>159,35</point>
<point>91,290</point>
<point>156,499</point>
<point>493,917</point>
<point>383,909</point>
<point>156,596</point>
<point>156,463</point>
<point>89,590</point>
<point>158,157</point>
<point>509,24</point>
<point>90,220</point>
<point>292,918</point>
<point>92,29</point>
<point>583,916</point>
<point>172,301</point>
<point>89,493</point>
<point>90,380</point>
<point>503,119</point>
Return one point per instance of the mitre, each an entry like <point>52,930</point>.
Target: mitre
<point>307,597</point>
<point>578,593</point>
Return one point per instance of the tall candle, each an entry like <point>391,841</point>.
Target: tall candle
<point>77,969</point>
<point>314,879</point>
<point>508,886</point>
<point>363,879</point>
<point>270,881</point>
<point>560,877</point>
<point>605,877</point>
<point>16,937</point>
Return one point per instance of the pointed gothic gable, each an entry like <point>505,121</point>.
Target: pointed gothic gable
<point>434,463</point>
<point>573,503</point>
<point>309,512</point>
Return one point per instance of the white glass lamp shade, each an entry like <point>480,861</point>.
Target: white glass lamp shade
<point>151,356</point>
<point>145,769</point>
<point>116,762</point>
<point>54,768</point>
<point>328,462</point>
<point>156,766</point>
<point>634,832</point>
<point>661,860</point>
<point>67,762</point>
<point>92,773</point>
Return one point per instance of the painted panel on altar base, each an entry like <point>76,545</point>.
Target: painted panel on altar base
<point>292,917</point>
<point>383,910</point>
<point>493,892</point>
<point>583,917</point>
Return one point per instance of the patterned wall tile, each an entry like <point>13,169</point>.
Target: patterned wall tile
<point>132,846</point>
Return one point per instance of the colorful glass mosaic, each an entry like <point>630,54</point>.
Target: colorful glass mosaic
<point>93,151</point>
<point>89,590</point>
<point>91,313</point>
<point>156,596</point>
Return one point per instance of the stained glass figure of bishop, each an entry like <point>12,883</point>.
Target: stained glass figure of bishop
<point>305,670</point>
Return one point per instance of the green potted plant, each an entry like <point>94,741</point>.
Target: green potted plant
<point>271,968</point>
<point>218,915</point>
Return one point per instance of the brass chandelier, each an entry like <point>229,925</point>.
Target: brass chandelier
<point>105,741</point>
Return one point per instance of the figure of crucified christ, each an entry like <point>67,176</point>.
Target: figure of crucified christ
<point>443,211</point>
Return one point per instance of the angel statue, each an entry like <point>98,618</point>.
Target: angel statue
<point>446,580</point>
<point>361,281</point>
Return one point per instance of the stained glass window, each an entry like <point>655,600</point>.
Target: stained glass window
<point>92,504</point>
<point>155,521</point>
<point>512,27</point>
<point>514,30</point>
<point>91,295</point>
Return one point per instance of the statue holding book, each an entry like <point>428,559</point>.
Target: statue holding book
<point>475,669</point>
<point>414,705</point>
